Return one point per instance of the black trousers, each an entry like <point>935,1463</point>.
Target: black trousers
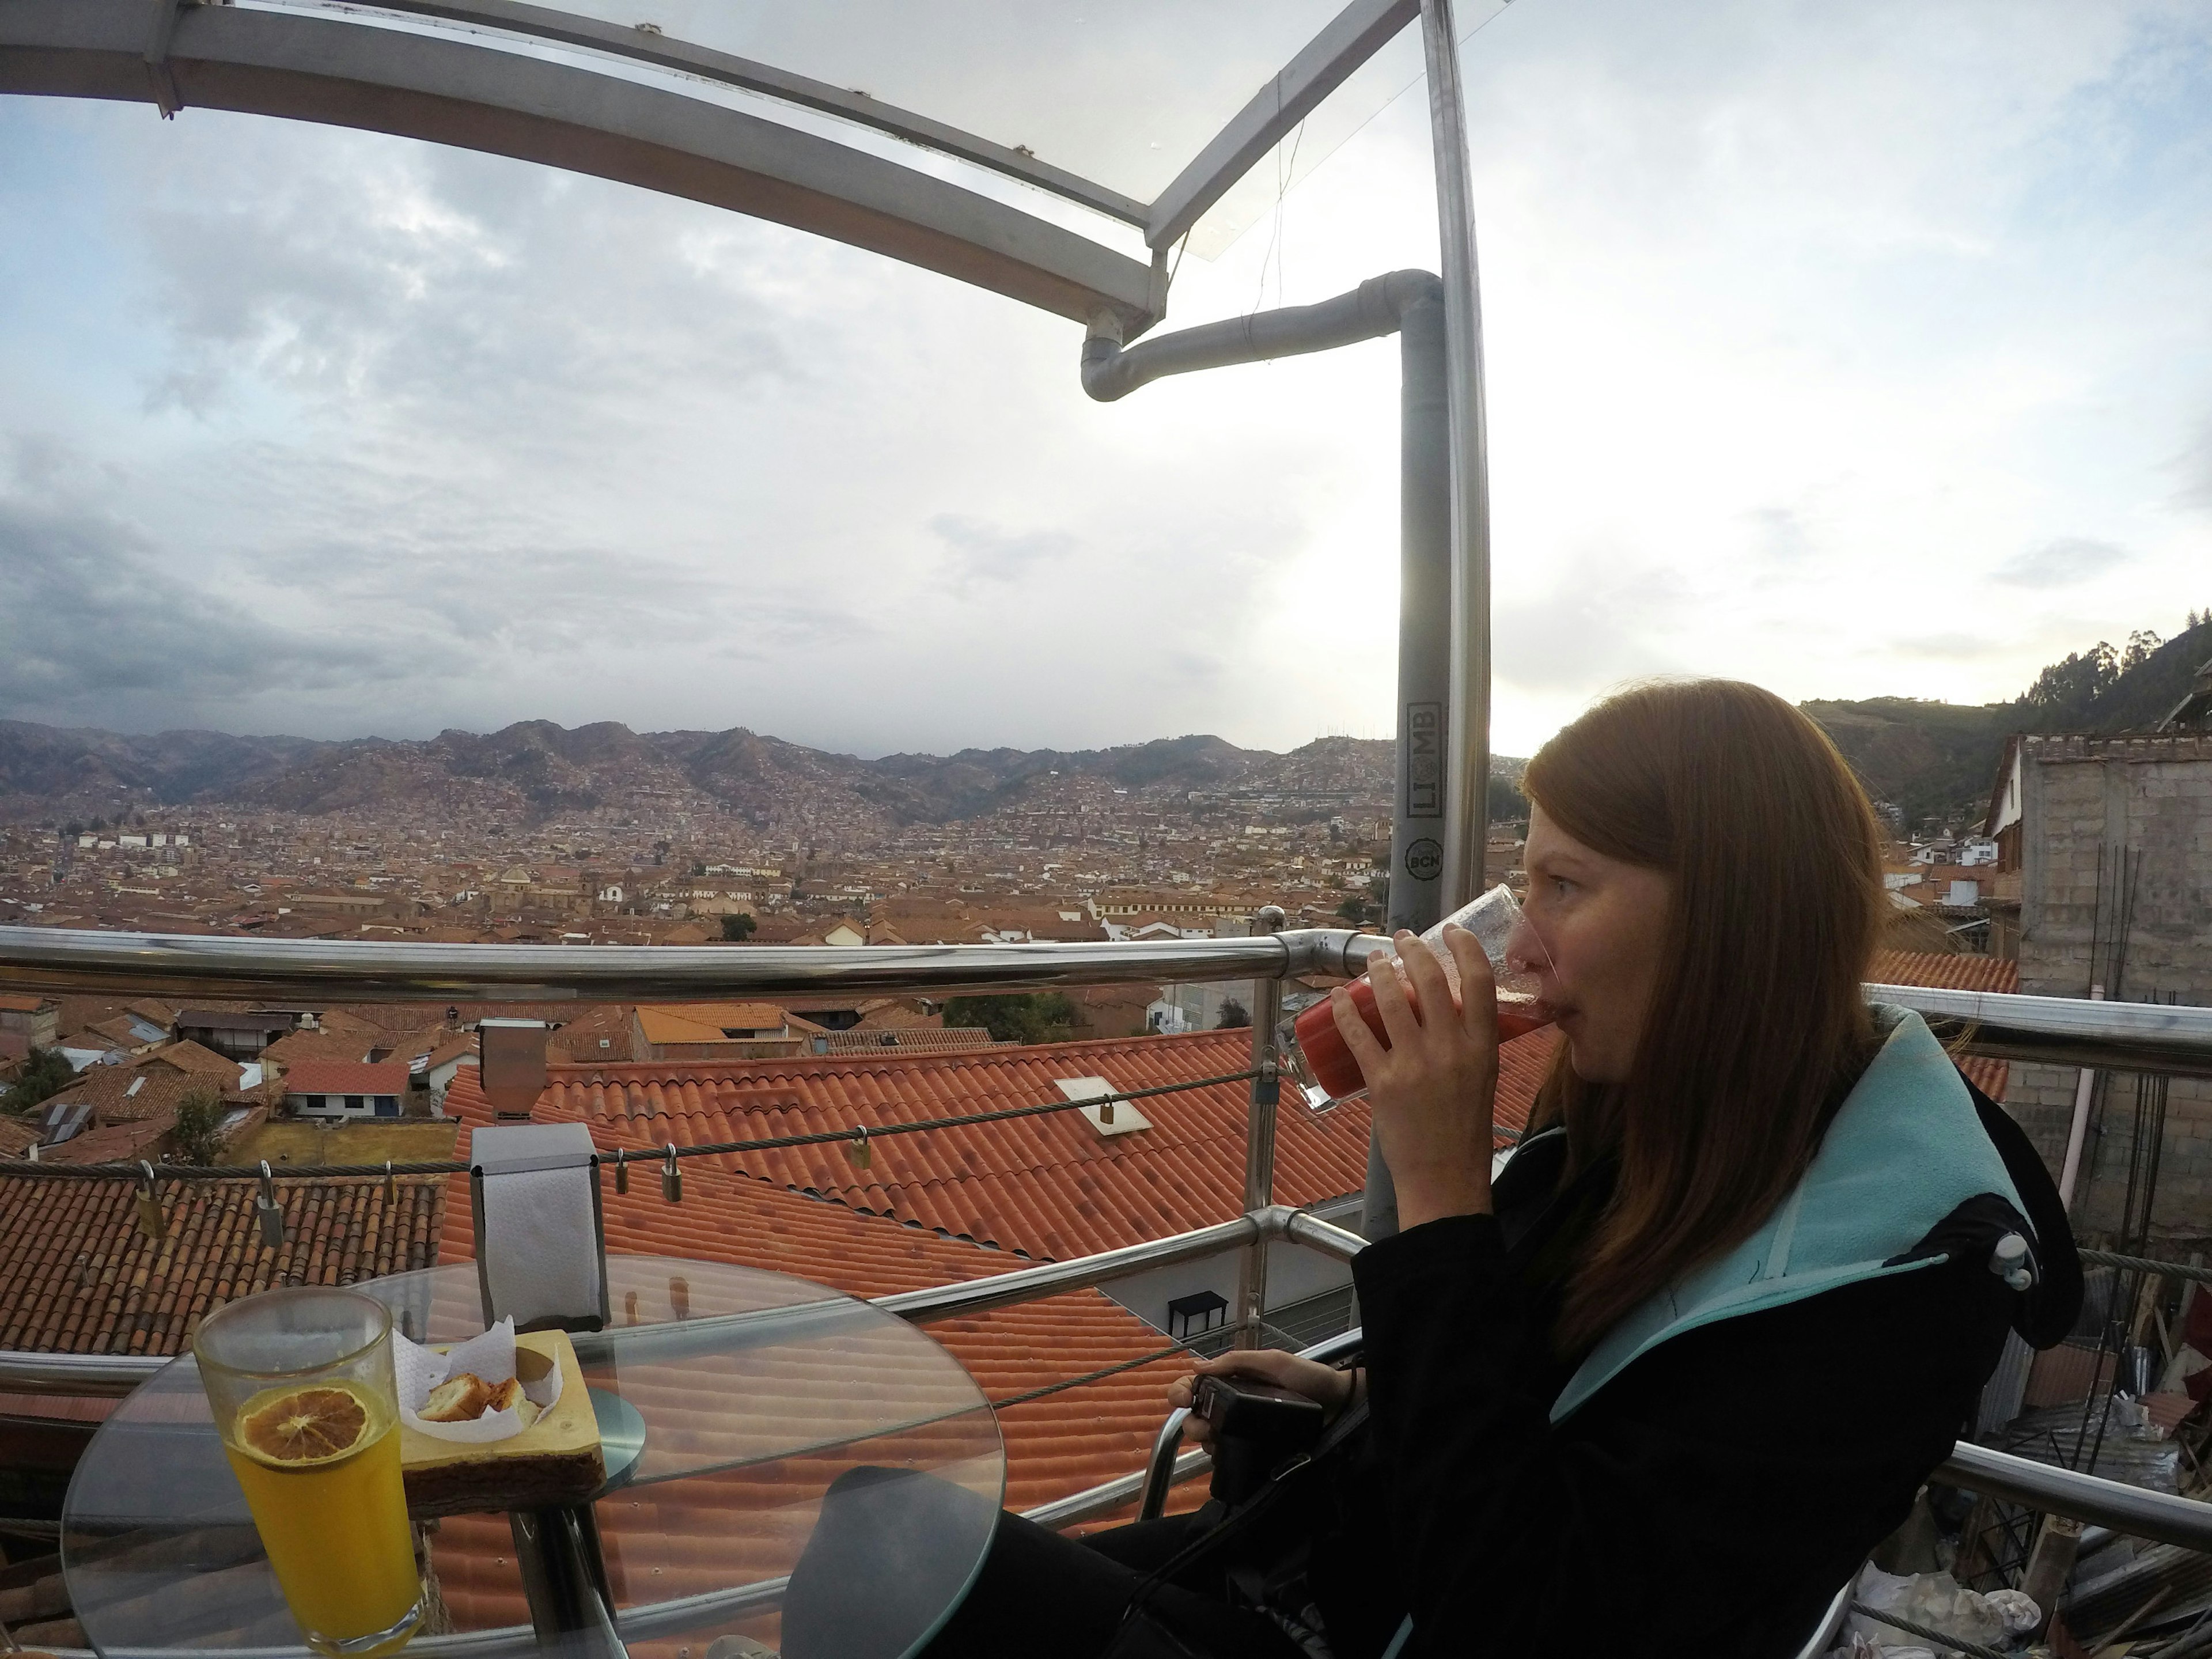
<point>1039,1595</point>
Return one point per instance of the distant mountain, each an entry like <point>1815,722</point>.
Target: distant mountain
<point>52,762</point>
<point>1938,760</point>
<point>1931,759</point>
<point>535,768</point>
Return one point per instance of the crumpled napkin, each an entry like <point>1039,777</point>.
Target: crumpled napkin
<point>419,1370</point>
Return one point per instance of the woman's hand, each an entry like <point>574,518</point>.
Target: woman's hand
<point>1333,1389</point>
<point>1433,1091</point>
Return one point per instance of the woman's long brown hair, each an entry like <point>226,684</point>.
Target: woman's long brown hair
<point>1757,1028</point>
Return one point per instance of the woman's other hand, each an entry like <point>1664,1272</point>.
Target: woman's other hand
<point>1433,1091</point>
<point>1331,1388</point>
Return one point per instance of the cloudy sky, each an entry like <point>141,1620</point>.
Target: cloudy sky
<point>1852,350</point>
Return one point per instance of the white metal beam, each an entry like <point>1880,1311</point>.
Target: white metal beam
<point>457,91</point>
<point>570,28</point>
<point>1353,36</point>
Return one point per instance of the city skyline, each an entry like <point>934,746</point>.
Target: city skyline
<point>312,431</point>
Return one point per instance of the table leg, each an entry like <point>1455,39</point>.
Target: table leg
<point>565,1578</point>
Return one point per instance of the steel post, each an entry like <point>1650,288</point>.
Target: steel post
<point>1419,799</point>
<point>1425,630</point>
<point>1260,1140</point>
<point>1466,818</point>
<point>564,1579</point>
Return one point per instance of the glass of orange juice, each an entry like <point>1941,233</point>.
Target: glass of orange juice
<point>302,1384</point>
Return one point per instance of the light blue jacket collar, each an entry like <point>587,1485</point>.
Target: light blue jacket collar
<point>1906,1148</point>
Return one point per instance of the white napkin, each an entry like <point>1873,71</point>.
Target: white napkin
<point>539,1259</point>
<point>419,1370</point>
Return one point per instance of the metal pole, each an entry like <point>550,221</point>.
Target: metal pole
<point>1425,630</point>
<point>1260,1139</point>
<point>2077,1130</point>
<point>1418,807</point>
<point>1466,818</point>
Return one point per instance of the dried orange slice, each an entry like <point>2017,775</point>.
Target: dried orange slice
<point>303,1426</point>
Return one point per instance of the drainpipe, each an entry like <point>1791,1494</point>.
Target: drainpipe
<point>1410,304</point>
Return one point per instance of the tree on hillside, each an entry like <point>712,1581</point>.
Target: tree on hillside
<point>1031,1017</point>
<point>1353,909</point>
<point>46,1074</point>
<point>197,1137</point>
<point>1507,804</point>
<point>737,928</point>
<point>1235,1016</point>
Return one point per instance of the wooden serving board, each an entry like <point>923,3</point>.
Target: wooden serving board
<point>555,1461</point>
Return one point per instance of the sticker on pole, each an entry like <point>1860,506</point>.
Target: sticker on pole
<point>1424,860</point>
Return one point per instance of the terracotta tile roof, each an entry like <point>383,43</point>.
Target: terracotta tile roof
<point>692,1530</point>
<point>865,1039</point>
<point>77,1277</point>
<point>115,1143</point>
<point>705,1021</point>
<point>451,1048</point>
<point>234,1019</point>
<point>14,1004</point>
<point>191,1057</point>
<point>1947,973</point>
<point>302,1047</point>
<point>1049,1186</point>
<point>1522,1066</point>
<point>120,1032</point>
<point>325,1077</point>
<point>18,1135</point>
<point>1955,973</point>
<point>120,1093</point>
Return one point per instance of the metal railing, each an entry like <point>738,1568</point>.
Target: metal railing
<point>183,964</point>
<point>2090,1499</point>
<point>2055,1030</point>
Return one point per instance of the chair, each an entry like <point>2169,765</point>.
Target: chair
<point>1159,1478</point>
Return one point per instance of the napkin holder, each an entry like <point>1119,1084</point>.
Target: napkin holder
<point>557,1459</point>
<point>506,1152</point>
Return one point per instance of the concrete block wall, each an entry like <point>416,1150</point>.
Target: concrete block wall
<point>2082,798</point>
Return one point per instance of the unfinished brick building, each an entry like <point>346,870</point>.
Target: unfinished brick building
<point>2113,838</point>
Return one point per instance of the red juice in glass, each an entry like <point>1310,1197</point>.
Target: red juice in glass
<point>1321,1050</point>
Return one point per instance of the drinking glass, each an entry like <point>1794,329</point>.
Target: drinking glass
<point>1323,1064</point>
<point>301,1385</point>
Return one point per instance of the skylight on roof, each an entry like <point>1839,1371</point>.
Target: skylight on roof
<point>1108,1117</point>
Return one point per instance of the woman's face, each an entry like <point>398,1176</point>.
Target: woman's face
<point>1602,924</point>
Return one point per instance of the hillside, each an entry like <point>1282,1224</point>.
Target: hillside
<point>1936,760</point>
<point>1931,759</point>
<point>535,770</point>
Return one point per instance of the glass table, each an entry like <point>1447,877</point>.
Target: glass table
<point>728,1400</point>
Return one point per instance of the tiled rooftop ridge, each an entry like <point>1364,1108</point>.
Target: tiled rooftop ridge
<point>1048,1186</point>
<point>76,1275</point>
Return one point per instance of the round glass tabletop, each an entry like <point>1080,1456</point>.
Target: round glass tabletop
<point>729,1400</point>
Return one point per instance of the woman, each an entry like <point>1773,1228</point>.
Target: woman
<point>1662,1385</point>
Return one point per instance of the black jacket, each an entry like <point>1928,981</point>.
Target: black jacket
<point>1711,1498</point>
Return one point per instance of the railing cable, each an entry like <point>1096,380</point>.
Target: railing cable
<point>2143,1265</point>
<point>25,1169</point>
<point>1168,1352</point>
<point>1957,1644</point>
